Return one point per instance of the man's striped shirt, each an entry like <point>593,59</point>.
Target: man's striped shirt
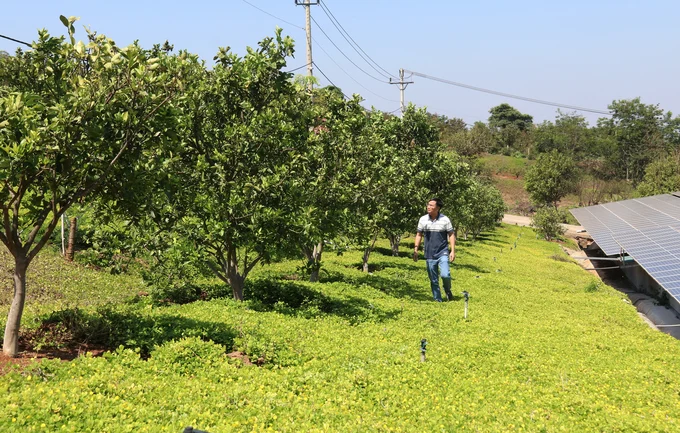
<point>436,233</point>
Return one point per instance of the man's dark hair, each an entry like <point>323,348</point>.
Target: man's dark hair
<point>438,202</point>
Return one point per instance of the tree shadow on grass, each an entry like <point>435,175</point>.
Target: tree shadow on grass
<point>397,288</point>
<point>377,266</point>
<point>388,252</point>
<point>108,328</point>
<point>297,299</point>
<point>471,268</point>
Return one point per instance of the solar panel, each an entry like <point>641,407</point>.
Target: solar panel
<point>652,250</point>
<point>647,229</point>
<point>597,229</point>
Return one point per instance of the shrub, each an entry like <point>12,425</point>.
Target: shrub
<point>547,221</point>
<point>173,275</point>
<point>188,356</point>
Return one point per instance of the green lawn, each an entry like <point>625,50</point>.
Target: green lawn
<point>540,351</point>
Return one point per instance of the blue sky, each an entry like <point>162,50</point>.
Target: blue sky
<point>582,53</point>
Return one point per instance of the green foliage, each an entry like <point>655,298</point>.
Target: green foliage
<point>511,129</point>
<point>455,136</point>
<point>592,286</point>
<point>661,177</point>
<point>508,365</point>
<point>550,178</point>
<point>58,284</point>
<point>450,182</point>
<point>569,134</point>
<point>479,139</point>
<point>74,116</point>
<point>242,166</point>
<point>639,133</point>
<point>547,221</point>
<point>136,326</point>
<point>394,173</point>
<point>174,272</point>
<point>506,166</point>
<point>484,208</point>
<point>449,128</point>
<point>114,100</point>
<point>188,356</point>
<point>505,116</point>
<point>338,146</point>
<point>472,204</point>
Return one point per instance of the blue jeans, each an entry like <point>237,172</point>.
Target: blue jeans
<point>435,268</point>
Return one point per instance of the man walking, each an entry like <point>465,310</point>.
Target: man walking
<point>436,228</point>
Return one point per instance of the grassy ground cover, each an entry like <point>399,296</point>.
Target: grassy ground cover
<point>508,166</point>
<point>543,349</point>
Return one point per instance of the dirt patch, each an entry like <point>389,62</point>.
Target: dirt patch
<point>508,176</point>
<point>29,357</point>
<point>245,359</point>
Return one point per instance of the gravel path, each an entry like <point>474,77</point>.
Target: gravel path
<point>572,230</point>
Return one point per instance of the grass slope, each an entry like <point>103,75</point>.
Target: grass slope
<point>54,284</point>
<point>539,352</point>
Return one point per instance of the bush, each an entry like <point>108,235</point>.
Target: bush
<point>188,356</point>
<point>173,275</point>
<point>547,222</point>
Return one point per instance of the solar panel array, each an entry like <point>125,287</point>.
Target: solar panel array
<point>647,229</point>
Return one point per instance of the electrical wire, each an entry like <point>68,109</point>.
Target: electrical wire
<point>353,43</point>
<point>341,52</point>
<point>329,56</point>
<point>273,16</point>
<point>350,76</point>
<point>16,40</point>
<point>303,66</point>
<point>508,95</point>
<point>329,80</point>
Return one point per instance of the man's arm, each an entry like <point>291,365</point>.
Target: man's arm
<point>419,236</point>
<point>452,243</point>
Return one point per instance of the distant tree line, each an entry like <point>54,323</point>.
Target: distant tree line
<point>639,145</point>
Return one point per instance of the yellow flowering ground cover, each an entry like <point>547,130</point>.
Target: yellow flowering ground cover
<point>540,351</point>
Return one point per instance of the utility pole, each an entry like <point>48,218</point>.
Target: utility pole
<point>308,28</point>
<point>402,86</point>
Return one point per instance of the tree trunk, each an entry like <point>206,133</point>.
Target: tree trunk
<point>394,243</point>
<point>315,262</point>
<point>237,283</point>
<point>367,252</point>
<point>71,239</point>
<point>10,345</point>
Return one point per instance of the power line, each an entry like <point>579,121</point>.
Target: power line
<point>273,16</point>
<point>341,52</point>
<point>350,76</point>
<point>508,95</point>
<point>16,40</point>
<point>343,32</point>
<point>326,52</point>
<point>329,80</point>
<point>303,66</point>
